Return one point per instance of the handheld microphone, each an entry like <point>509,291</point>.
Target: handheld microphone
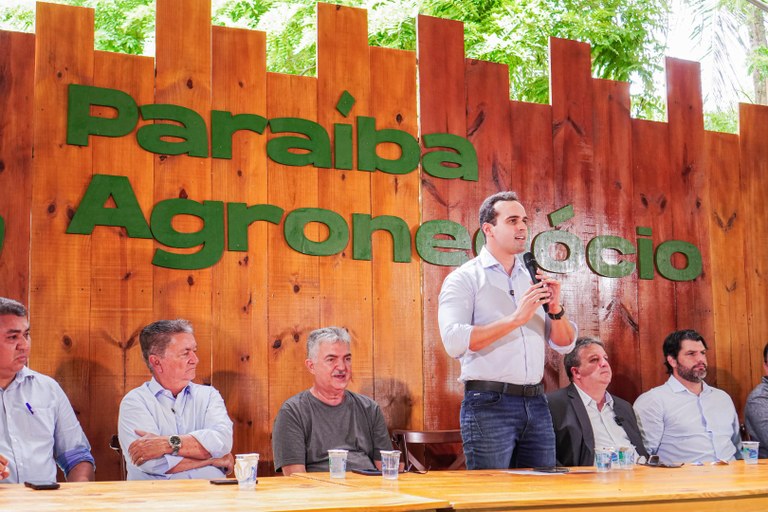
<point>532,265</point>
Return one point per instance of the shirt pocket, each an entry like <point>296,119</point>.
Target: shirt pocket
<point>36,423</point>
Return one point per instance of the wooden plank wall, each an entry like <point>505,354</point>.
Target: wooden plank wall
<point>90,295</point>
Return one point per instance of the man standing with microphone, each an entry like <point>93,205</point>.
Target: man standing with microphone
<point>491,320</point>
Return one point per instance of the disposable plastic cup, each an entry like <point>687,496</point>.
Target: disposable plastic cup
<point>246,468</point>
<point>603,459</point>
<point>390,464</point>
<point>626,459</point>
<point>337,463</point>
<point>749,451</point>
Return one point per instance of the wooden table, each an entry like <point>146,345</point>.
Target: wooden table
<point>736,487</point>
<point>275,493</point>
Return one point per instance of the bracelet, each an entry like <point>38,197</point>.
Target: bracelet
<point>559,315</point>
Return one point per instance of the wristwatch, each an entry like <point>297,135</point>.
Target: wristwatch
<point>559,315</point>
<point>175,442</point>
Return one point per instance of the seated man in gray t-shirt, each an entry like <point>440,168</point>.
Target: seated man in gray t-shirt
<point>327,416</point>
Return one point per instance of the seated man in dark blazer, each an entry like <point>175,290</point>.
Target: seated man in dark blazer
<point>584,414</point>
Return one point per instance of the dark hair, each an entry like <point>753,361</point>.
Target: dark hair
<point>12,307</point>
<point>155,337</point>
<point>573,358</point>
<point>765,353</point>
<point>487,211</point>
<point>673,342</point>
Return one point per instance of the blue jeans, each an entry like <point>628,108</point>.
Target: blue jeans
<point>503,431</point>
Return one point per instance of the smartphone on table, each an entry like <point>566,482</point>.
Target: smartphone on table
<point>42,486</point>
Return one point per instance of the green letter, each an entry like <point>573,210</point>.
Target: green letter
<point>80,122</point>
<point>595,260</point>
<point>664,254</point>
<point>464,158</point>
<point>368,139</point>
<point>316,144</point>
<point>426,243</point>
<point>92,212</point>
<point>224,125</point>
<point>363,227</point>
<point>210,236</point>
<point>338,231</point>
<point>240,216</point>
<point>192,131</point>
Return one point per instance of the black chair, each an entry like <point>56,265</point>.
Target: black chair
<point>114,443</point>
<point>424,443</point>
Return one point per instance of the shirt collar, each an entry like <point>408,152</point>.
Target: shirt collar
<point>23,374</point>
<point>677,386</point>
<point>156,388</point>
<point>588,400</point>
<point>488,261</point>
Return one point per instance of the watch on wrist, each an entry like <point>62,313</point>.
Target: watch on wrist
<point>557,316</point>
<point>175,442</point>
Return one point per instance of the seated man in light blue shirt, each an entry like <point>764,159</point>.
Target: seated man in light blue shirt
<point>685,420</point>
<point>38,428</point>
<point>170,427</point>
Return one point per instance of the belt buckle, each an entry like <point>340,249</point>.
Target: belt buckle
<point>530,389</point>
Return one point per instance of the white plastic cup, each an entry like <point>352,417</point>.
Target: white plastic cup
<point>246,468</point>
<point>337,463</point>
<point>626,457</point>
<point>390,464</point>
<point>603,459</point>
<point>749,451</point>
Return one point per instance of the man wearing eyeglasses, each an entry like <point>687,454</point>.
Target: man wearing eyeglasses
<point>756,410</point>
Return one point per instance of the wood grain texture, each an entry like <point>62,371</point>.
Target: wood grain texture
<point>183,77</point>
<point>397,316</point>
<point>656,303</point>
<point>60,284</point>
<point>121,280</point>
<point>618,296</point>
<point>440,56</point>
<point>294,278</point>
<point>726,242</point>
<point>17,67</point>
<point>689,184</point>
<point>240,346</point>
<point>753,132</point>
<point>345,284</point>
<point>578,185</point>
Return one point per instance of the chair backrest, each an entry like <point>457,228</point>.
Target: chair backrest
<point>406,439</point>
<point>114,443</point>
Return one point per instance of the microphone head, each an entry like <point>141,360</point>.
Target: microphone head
<point>529,260</point>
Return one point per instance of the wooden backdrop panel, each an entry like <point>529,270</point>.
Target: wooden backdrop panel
<point>240,352</point>
<point>753,132</point>
<point>613,170</point>
<point>397,316</point>
<point>727,233</point>
<point>345,284</point>
<point>121,280</point>
<point>17,67</point>
<point>440,55</point>
<point>60,264</point>
<point>183,77</point>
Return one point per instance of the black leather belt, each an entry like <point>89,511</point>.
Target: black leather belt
<point>505,388</point>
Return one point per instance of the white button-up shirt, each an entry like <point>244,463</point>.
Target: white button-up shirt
<point>39,429</point>
<point>607,433</point>
<point>680,426</point>
<point>479,293</point>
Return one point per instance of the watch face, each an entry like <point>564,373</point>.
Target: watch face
<point>174,441</point>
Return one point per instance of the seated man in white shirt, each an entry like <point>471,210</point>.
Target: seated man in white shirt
<point>585,415</point>
<point>170,427</point>
<point>686,420</point>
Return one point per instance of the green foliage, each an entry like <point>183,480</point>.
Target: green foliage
<point>722,121</point>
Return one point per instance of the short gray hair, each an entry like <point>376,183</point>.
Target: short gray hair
<point>573,358</point>
<point>12,307</point>
<point>155,337</point>
<point>326,335</point>
<point>488,211</point>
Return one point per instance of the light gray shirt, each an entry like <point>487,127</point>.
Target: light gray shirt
<point>607,433</point>
<point>478,293</point>
<point>680,426</point>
